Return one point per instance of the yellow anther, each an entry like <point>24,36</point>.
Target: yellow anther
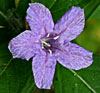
<point>48,35</point>
<point>47,44</point>
<point>42,46</point>
<point>2,27</point>
<point>56,37</point>
<point>50,51</point>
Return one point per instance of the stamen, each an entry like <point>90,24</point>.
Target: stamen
<point>48,35</point>
<point>55,38</point>
<point>42,46</point>
<point>50,51</point>
<point>46,43</point>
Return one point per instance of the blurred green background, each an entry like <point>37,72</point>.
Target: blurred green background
<point>16,74</point>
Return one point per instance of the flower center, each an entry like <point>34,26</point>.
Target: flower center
<point>48,42</point>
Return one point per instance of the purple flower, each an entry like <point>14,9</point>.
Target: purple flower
<point>49,43</point>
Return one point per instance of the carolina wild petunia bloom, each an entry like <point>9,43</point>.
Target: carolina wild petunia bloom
<point>49,43</point>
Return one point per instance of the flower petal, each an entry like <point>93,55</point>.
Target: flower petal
<point>71,24</point>
<point>39,18</point>
<point>73,56</point>
<point>43,66</point>
<point>24,45</point>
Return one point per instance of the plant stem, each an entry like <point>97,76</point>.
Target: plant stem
<point>6,66</point>
<point>78,76</point>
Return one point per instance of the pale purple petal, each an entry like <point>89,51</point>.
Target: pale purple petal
<point>71,24</point>
<point>24,45</point>
<point>39,18</point>
<point>73,56</point>
<point>43,66</point>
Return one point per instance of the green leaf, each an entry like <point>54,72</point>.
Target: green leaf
<point>83,81</point>
<point>61,6</point>
<point>96,13</point>
<point>45,2</point>
<point>89,9</point>
<point>12,19</point>
<point>29,85</point>
<point>4,6</point>
<point>22,7</point>
<point>90,38</point>
<point>15,74</point>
